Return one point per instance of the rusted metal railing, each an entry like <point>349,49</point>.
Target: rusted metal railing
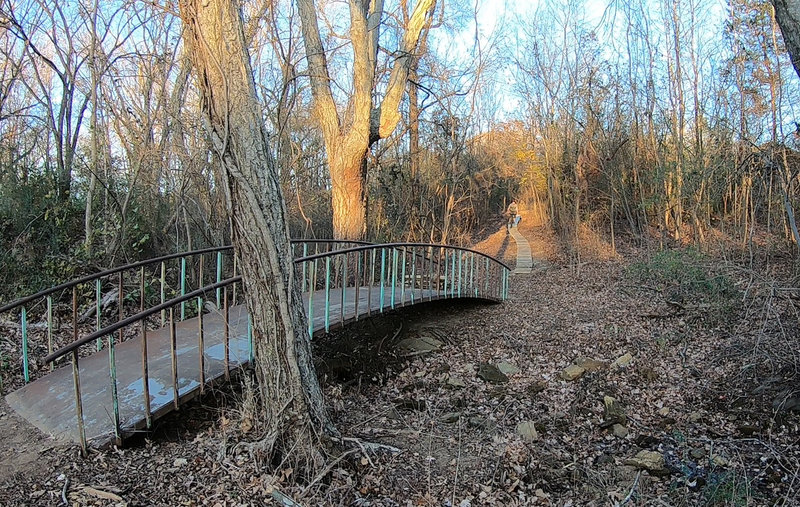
<point>340,285</point>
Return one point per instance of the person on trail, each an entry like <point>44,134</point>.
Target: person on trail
<point>513,214</point>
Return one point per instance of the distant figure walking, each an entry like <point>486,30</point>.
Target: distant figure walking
<point>513,214</point>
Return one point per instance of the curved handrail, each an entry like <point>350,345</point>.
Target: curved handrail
<point>138,264</point>
<point>112,271</point>
<point>136,318</point>
<point>398,245</point>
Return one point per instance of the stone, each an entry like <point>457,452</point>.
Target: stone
<point>747,429</point>
<point>572,372</point>
<point>619,431</point>
<point>719,460</point>
<point>537,387</point>
<point>450,417</point>
<point>651,461</point>
<point>663,411</point>
<point>527,430</point>
<point>490,373</point>
<point>614,411</point>
<point>623,361</point>
<point>179,462</point>
<point>456,382</point>
<point>590,364</point>
<point>695,417</point>
<point>698,453</point>
<point>784,403</point>
<point>419,345</point>
<point>507,368</point>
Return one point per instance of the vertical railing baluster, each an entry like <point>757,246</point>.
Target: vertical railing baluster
<point>219,277</point>
<point>235,268</point>
<point>453,274</point>
<point>313,283</point>
<point>371,281</point>
<point>460,270</point>
<point>413,272</point>
<point>357,283</point>
<point>183,288</point>
<point>305,281</point>
<point>173,354</point>
<point>430,275</point>
<point>145,369</point>
<point>24,323</point>
<point>226,333</point>
<point>344,288</point>
<point>50,329</point>
<point>327,293</point>
<point>201,339</point>
<point>76,384</point>
<point>97,310</point>
<point>163,281</point>
<point>446,270</point>
<point>383,278</point>
<point>394,274</point>
<point>486,269</point>
<point>112,374</point>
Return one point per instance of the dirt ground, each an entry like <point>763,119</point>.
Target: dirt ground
<point>688,396</point>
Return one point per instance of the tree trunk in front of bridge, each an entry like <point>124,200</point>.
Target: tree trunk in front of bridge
<point>290,410</point>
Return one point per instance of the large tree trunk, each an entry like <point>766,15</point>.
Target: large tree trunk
<point>787,14</point>
<point>291,406</point>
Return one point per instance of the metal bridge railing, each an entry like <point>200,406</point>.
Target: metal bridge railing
<point>339,285</point>
<point>54,317</point>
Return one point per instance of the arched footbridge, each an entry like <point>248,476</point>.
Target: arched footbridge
<point>97,359</point>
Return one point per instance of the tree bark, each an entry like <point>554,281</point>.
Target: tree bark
<point>347,142</point>
<point>291,406</point>
<point>787,13</point>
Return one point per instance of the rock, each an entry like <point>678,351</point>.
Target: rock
<point>619,431</point>
<point>450,417</point>
<point>651,461</point>
<point>623,361</point>
<point>646,440</point>
<point>695,417</point>
<point>490,373</point>
<point>507,368</point>
<point>614,412</point>
<point>537,387</point>
<point>698,453</point>
<point>590,364</point>
<point>456,382</point>
<point>783,403</point>
<point>663,412</point>
<point>179,462</point>
<point>747,429</point>
<point>527,430</point>
<point>572,372</point>
<point>719,460</point>
<point>419,345</point>
<point>481,423</point>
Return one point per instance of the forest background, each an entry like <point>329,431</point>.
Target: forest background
<point>664,121</point>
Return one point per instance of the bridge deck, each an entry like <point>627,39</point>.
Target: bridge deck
<point>49,402</point>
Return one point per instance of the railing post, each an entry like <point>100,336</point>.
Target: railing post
<point>201,341</point>
<point>327,293</point>
<point>357,279</point>
<point>163,291</point>
<point>313,282</point>
<point>394,274</point>
<point>344,288</point>
<point>219,277</point>
<point>226,332</point>
<point>173,351</point>
<point>413,272</point>
<point>446,270</point>
<point>183,288</point>
<point>460,270</point>
<point>371,281</point>
<point>112,373</point>
<point>145,371</point>
<point>24,323</point>
<point>50,329</point>
<point>97,310</point>
<point>76,384</point>
<point>383,277</point>
<point>486,270</point>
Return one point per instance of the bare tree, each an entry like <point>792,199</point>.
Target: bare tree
<point>349,136</point>
<point>291,405</point>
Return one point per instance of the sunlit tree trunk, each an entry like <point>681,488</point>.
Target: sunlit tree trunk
<point>291,406</point>
<point>347,142</point>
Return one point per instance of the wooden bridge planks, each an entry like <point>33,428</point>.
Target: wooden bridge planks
<point>49,402</point>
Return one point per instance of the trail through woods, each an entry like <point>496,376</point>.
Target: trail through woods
<point>587,386</point>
